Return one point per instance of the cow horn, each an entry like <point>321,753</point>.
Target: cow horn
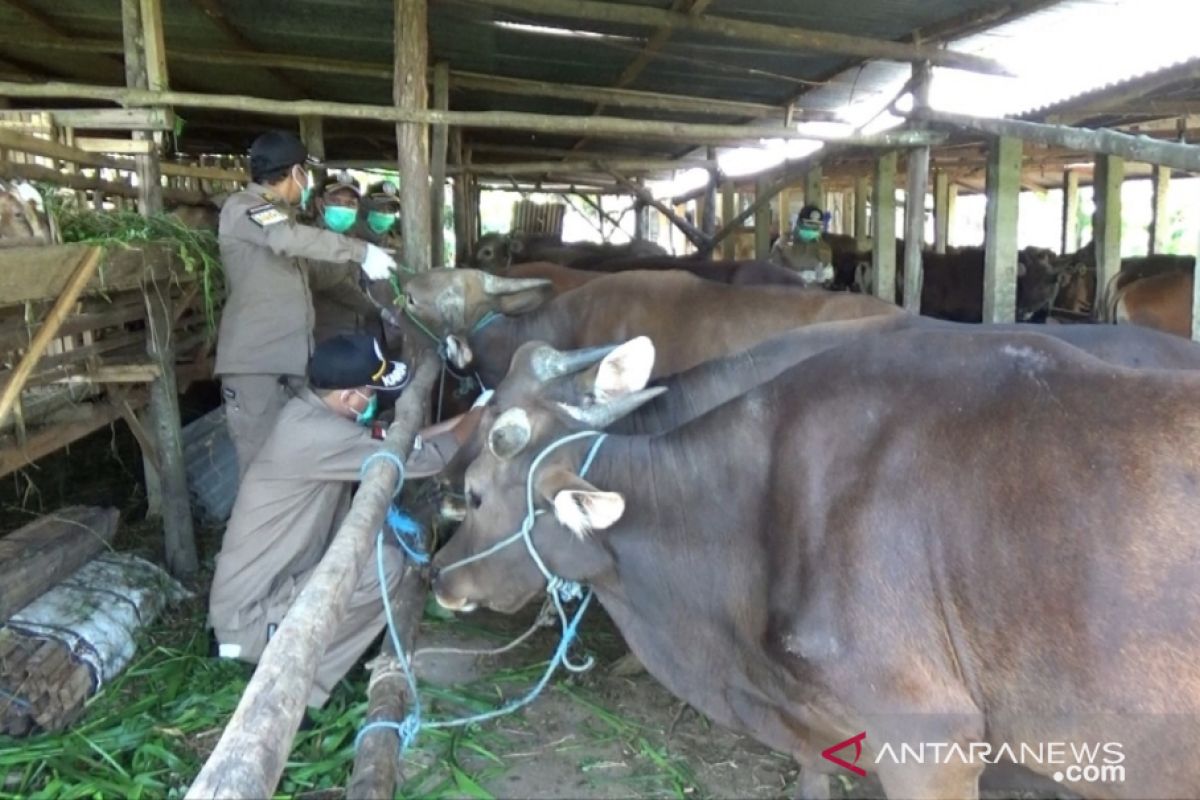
<point>495,284</point>
<point>601,416</point>
<point>548,363</point>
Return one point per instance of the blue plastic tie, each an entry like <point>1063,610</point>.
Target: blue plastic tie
<point>385,455</point>
<point>408,534</point>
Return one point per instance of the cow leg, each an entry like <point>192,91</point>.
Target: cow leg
<point>952,781</point>
<point>935,779</point>
<point>812,785</point>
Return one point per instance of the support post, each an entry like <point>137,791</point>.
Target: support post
<point>250,756</point>
<point>1106,221</point>
<point>1000,231</point>
<point>762,220</point>
<point>1195,304</point>
<point>862,195</point>
<point>1161,181</point>
<point>462,201</point>
<point>728,210</point>
<point>312,134</point>
<point>437,191</point>
<point>883,253</point>
<point>1070,231</point>
<point>708,216</point>
<point>178,534</point>
<point>697,238</point>
<point>813,194</point>
<point>409,93</point>
<point>917,184</point>
<point>944,195</point>
<point>145,68</point>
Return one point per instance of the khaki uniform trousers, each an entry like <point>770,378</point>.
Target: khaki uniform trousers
<point>364,620</point>
<point>252,404</point>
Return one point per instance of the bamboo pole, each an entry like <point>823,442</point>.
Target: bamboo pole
<point>694,236</point>
<point>510,120</point>
<point>437,169</point>
<point>250,756</point>
<point>34,172</point>
<point>917,176</point>
<point>411,96</point>
<point>794,39</point>
<point>46,333</point>
<point>579,163</point>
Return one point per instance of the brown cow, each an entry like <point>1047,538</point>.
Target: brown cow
<point>1162,302</point>
<point>735,273</point>
<point>864,562</point>
<point>486,317</point>
<point>496,252</point>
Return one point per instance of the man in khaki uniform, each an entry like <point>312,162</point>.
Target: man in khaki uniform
<point>340,304</point>
<point>265,336</point>
<point>806,252</point>
<point>296,494</point>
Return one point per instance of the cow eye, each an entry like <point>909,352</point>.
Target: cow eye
<point>473,499</point>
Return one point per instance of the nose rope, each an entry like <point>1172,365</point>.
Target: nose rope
<point>559,591</point>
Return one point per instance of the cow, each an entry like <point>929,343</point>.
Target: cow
<point>486,317</point>
<point>1162,302</point>
<point>22,219</point>
<point>1078,293</point>
<point>734,273</point>
<point>858,560</point>
<point>496,252</point>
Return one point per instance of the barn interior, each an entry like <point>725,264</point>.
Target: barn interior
<point>129,123</point>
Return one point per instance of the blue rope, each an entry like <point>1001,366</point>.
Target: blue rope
<point>488,319</point>
<point>408,535</point>
<point>385,455</point>
<point>558,589</point>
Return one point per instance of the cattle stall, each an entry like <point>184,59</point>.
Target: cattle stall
<point>149,106</point>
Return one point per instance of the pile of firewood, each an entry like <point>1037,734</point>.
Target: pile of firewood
<point>43,686</point>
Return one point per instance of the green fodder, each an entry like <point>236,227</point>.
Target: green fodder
<point>196,248</point>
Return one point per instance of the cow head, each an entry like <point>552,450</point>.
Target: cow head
<point>546,396</point>
<point>450,302</point>
<point>1040,275</point>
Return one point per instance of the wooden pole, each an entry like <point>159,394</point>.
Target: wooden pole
<point>1134,148</point>
<point>694,236</point>
<point>312,134</point>
<point>1000,231</point>
<point>412,140</point>
<point>862,196</point>
<point>578,165</point>
<point>145,68</point>
<point>883,252</point>
<point>708,217</point>
<point>178,533</point>
<point>1195,304</point>
<point>251,754</point>
<point>1161,183</point>
<point>812,188</point>
<point>46,333</point>
<point>511,120</point>
<point>792,39</point>
<point>1106,220</point>
<point>728,210</point>
<point>762,217</point>
<point>1070,232</point>
<point>917,176</point>
<point>437,189</point>
<point>461,197</point>
<point>944,193</point>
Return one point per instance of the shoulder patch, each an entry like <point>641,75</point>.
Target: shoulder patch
<point>266,215</point>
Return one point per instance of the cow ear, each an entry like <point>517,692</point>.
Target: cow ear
<point>579,506</point>
<point>624,371</point>
<point>517,295</point>
<point>510,434</point>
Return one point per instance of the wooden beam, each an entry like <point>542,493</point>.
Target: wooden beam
<point>1070,232</point>
<point>33,172</point>
<point>122,119</point>
<point>441,141</point>
<point>204,173</point>
<point>124,147</point>
<point>708,212</point>
<point>56,437</point>
<point>917,184</point>
<point>115,373</point>
<point>862,196</point>
<point>581,166</point>
<point>145,68</point>
<point>30,274</point>
<point>48,148</point>
<point>79,278</point>
<point>883,253</point>
<point>312,134</point>
<point>1195,305</point>
<point>694,236</point>
<point>212,9</point>
<point>410,95</point>
<point>462,199</point>
<point>510,120</point>
<point>1000,231</point>
<point>762,217</point>
<point>944,194</point>
<point>728,211</point>
<point>1106,220</point>
<point>1161,186</point>
<point>794,39</point>
<point>813,192</point>
<point>1134,148</point>
<point>250,756</point>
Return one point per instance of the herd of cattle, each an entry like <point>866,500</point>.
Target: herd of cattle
<point>824,521</point>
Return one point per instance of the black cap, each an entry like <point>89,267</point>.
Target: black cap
<point>810,214</point>
<point>340,180</point>
<point>276,150</point>
<point>348,361</point>
<point>383,193</point>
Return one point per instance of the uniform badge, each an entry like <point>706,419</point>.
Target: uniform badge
<point>266,215</point>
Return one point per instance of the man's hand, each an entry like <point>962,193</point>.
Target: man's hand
<point>378,264</point>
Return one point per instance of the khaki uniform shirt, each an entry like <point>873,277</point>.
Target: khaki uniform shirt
<point>267,324</point>
<point>339,305</point>
<point>290,503</point>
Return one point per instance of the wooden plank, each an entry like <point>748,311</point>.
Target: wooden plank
<point>24,143</point>
<point>312,134</point>
<point>33,172</point>
<point>862,196</point>
<point>153,45</point>
<point>80,275</point>
<point>145,68</point>
<point>813,191</point>
<point>790,38</point>
<point>125,147</point>
<point>251,753</point>
<point>1000,231</point>
<point>1161,186</point>
<point>917,184</point>
<point>437,190</point>
<point>1070,232</point>
<point>579,165</point>
<point>694,236</point>
<point>16,335</point>
<point>461,199</point>
<point>708,211</point>
<point>883,217</point>
<point>38,555</point>
<point>410,94</point>
<point>39,273</point>
<point>56,437</point>
<point>1106,220</point>
<point>944,193</point>
<point>203,173</point>
<point>118,119</point>
<point>762,218</point>
<point>115,373</point>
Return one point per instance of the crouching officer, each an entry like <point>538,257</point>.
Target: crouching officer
<point>294,497</point>
<point>266,331</point>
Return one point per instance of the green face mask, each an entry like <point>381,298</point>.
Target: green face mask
<point>380,221</point>
<point>808,234</point>
<point>340,219</point>
<point>368,414</point>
